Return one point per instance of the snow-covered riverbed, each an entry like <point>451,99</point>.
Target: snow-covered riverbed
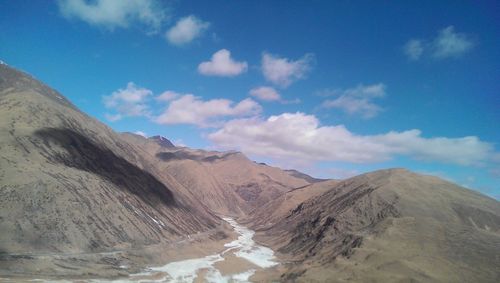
<point>243,247</point>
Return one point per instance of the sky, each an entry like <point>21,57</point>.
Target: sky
<point>331,88</point>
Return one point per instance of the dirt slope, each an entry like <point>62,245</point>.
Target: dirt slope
<point>390,226</point>
<point>226,182</point>
<point>70,184</point>
<point>273,211</point>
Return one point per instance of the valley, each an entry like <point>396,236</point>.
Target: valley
<point>81,202</point>
<point>237,263</point>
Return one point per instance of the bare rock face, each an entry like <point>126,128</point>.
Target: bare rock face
<point>69,184</point>
<point>390,224</point>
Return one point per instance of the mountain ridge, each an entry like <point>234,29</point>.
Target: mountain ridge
<point>364,226</point>
<point>76,198</point>
<point>69,184</point>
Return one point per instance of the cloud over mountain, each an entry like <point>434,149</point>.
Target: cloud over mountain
<point>190,109</point>
<point>295,136</point>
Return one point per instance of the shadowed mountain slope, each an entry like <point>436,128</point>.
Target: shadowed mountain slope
<point>70,184</point>
<point>390,226</point>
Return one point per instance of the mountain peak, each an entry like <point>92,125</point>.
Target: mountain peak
<point>162,141</point>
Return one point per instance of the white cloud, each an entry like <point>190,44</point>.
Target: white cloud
<point>283,71</point>
<point>141,133</point>
<point>358,100</point>
<point>449,43</point>
<point>190,109</point>
<point>167,96</point>
<point>221,64</point>
<point>113,14</point>
<point>414,49</point>
<point>186,30</point>
<point>297,136</point>
<point>265,93</point>
<point>130,101</point>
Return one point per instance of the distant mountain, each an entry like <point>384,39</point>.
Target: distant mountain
<point>304,176</point>
<point>226,182</point>
<point>162,141</point>
<point>273,211</point>
<point>387,226</point>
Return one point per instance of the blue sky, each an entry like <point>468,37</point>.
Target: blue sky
<point>333,88</point>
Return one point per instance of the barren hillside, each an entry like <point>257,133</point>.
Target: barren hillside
<point>69,184</point>
<point>390,225</point>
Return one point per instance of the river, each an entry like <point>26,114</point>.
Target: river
<point>188,270</point>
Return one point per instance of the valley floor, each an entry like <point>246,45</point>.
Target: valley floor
<point>237,263</point>
<point>229,256</point>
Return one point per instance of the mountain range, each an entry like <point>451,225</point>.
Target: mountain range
<point>79,200</point>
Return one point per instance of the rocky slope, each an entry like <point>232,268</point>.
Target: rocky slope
<point>226,182</point>
<point>389,226</point>
<point>69,184</point>
<point>273,211</point>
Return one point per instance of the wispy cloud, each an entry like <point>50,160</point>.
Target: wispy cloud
<point>414,49</point>
<point>186,30</point>
<point>112,14</point>
<point>283,71</point>
<point>447,44</point>
<point>221,64</point>
<point>358,100</point>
